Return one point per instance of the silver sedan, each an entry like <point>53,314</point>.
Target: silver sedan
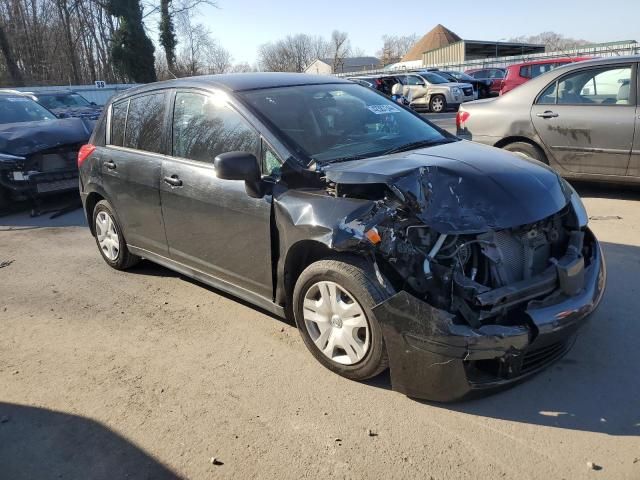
<point>580,119</point>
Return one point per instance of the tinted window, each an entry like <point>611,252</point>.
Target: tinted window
<point>435,78</point>
<point>118,119</point>
<point>63,100</point>
<point>414,80</point>
<point>205,126</point>
<point>339,122</point>
<point>145,123</point>
<point>496,73</point>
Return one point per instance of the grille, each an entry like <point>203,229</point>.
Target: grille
<point>468,91</point>
<point>539,357</point>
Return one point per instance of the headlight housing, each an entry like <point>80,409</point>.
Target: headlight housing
<point>455,91</point>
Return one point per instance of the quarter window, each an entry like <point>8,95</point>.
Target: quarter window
<point>206,126</point>
<point>414,80</point>
<point>145,123</point>
<point>118,121</point>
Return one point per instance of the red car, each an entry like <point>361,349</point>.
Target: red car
<point>519,73</point>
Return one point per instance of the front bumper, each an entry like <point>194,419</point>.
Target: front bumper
<point>39,183</point>
<point>434,358</point>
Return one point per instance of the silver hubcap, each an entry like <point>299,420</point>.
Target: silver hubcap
<point>436,104</point>
<point>107,236</point>
<point>336,323</point>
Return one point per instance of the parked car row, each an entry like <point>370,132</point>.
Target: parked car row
<point>503,80</point>
<point>425,90</point>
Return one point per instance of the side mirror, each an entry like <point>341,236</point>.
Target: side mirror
<point>93,104</point>
<point>240,166</point>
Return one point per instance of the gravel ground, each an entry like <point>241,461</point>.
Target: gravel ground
<point>146,374</point>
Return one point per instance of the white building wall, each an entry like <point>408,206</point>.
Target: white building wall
<point>318,67</point>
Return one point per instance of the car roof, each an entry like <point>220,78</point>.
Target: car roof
<point>238,82</point>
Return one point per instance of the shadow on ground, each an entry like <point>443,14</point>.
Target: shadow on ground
<point>36,443</point>
<point>64,210</point>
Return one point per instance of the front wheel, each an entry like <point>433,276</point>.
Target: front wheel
<point>437,104</point>
<point>332,303</point>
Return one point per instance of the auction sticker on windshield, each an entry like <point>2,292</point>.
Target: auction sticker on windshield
<point>383,109</point>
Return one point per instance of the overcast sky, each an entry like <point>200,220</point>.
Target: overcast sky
<point>242,25</point>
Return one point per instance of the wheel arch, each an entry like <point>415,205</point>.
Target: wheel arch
<point>515,138</point>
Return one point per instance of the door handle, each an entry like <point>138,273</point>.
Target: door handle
<point>173,180</point>
<point>547,114</point>
<point>110,165</point>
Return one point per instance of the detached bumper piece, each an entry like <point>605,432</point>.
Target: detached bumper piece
<point>435,355</point>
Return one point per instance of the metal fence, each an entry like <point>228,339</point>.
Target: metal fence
<point>92,93</point>
<point>599,50</point>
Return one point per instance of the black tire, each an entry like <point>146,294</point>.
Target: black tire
<point>124,258</point>
<point>4,199</point>
<point>434,101</point>
<point>528,149</point>
<point>359,280</point>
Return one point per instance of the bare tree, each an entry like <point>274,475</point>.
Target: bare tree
<point>293,53</point>
<point>552,41</point>
<point>340,49</point>
<point>394,47</point>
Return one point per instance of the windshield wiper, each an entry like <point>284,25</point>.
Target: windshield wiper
<point>416,145</point>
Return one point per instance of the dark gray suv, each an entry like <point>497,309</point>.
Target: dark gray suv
<point>390,242</point>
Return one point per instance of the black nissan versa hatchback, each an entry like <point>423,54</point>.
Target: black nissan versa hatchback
<point>459,266</point>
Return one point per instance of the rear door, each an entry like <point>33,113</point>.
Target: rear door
<point>131,165</point>
<point>212,225</point>
<point>587,119</point>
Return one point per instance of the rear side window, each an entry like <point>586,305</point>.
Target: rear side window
<point>145,123</point>
<point>206,126</point>
<point>118,121</point>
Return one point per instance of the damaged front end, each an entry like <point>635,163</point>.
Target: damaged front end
<point>485,293</point>
<point>38,158</point>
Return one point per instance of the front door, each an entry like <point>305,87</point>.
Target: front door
<point>212,225</point>
<point>586,119</point>
<point>131,165</point>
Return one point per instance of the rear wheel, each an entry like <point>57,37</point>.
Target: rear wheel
<point>332,303</point>
<point>528,150</point>
<point>110,239</point>
<point>437,104</point>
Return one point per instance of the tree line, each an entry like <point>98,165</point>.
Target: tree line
<point>74,42</point>
<point>53,42</point>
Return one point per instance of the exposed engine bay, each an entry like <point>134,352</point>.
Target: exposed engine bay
<point>483,277</point>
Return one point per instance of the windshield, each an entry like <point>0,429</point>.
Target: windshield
<point>434,78</point>
<point>62,100</point>
<point>340,122</point>
<point>461,76</point>
<point>22,109</point>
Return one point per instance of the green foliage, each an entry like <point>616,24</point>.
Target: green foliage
<point>131,49</point>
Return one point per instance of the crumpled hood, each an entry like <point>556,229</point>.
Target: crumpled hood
<point>25,138</point>
<point>462,187</point>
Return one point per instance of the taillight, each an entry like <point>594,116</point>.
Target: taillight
<point>84,152</point>
<point>461,117</point>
